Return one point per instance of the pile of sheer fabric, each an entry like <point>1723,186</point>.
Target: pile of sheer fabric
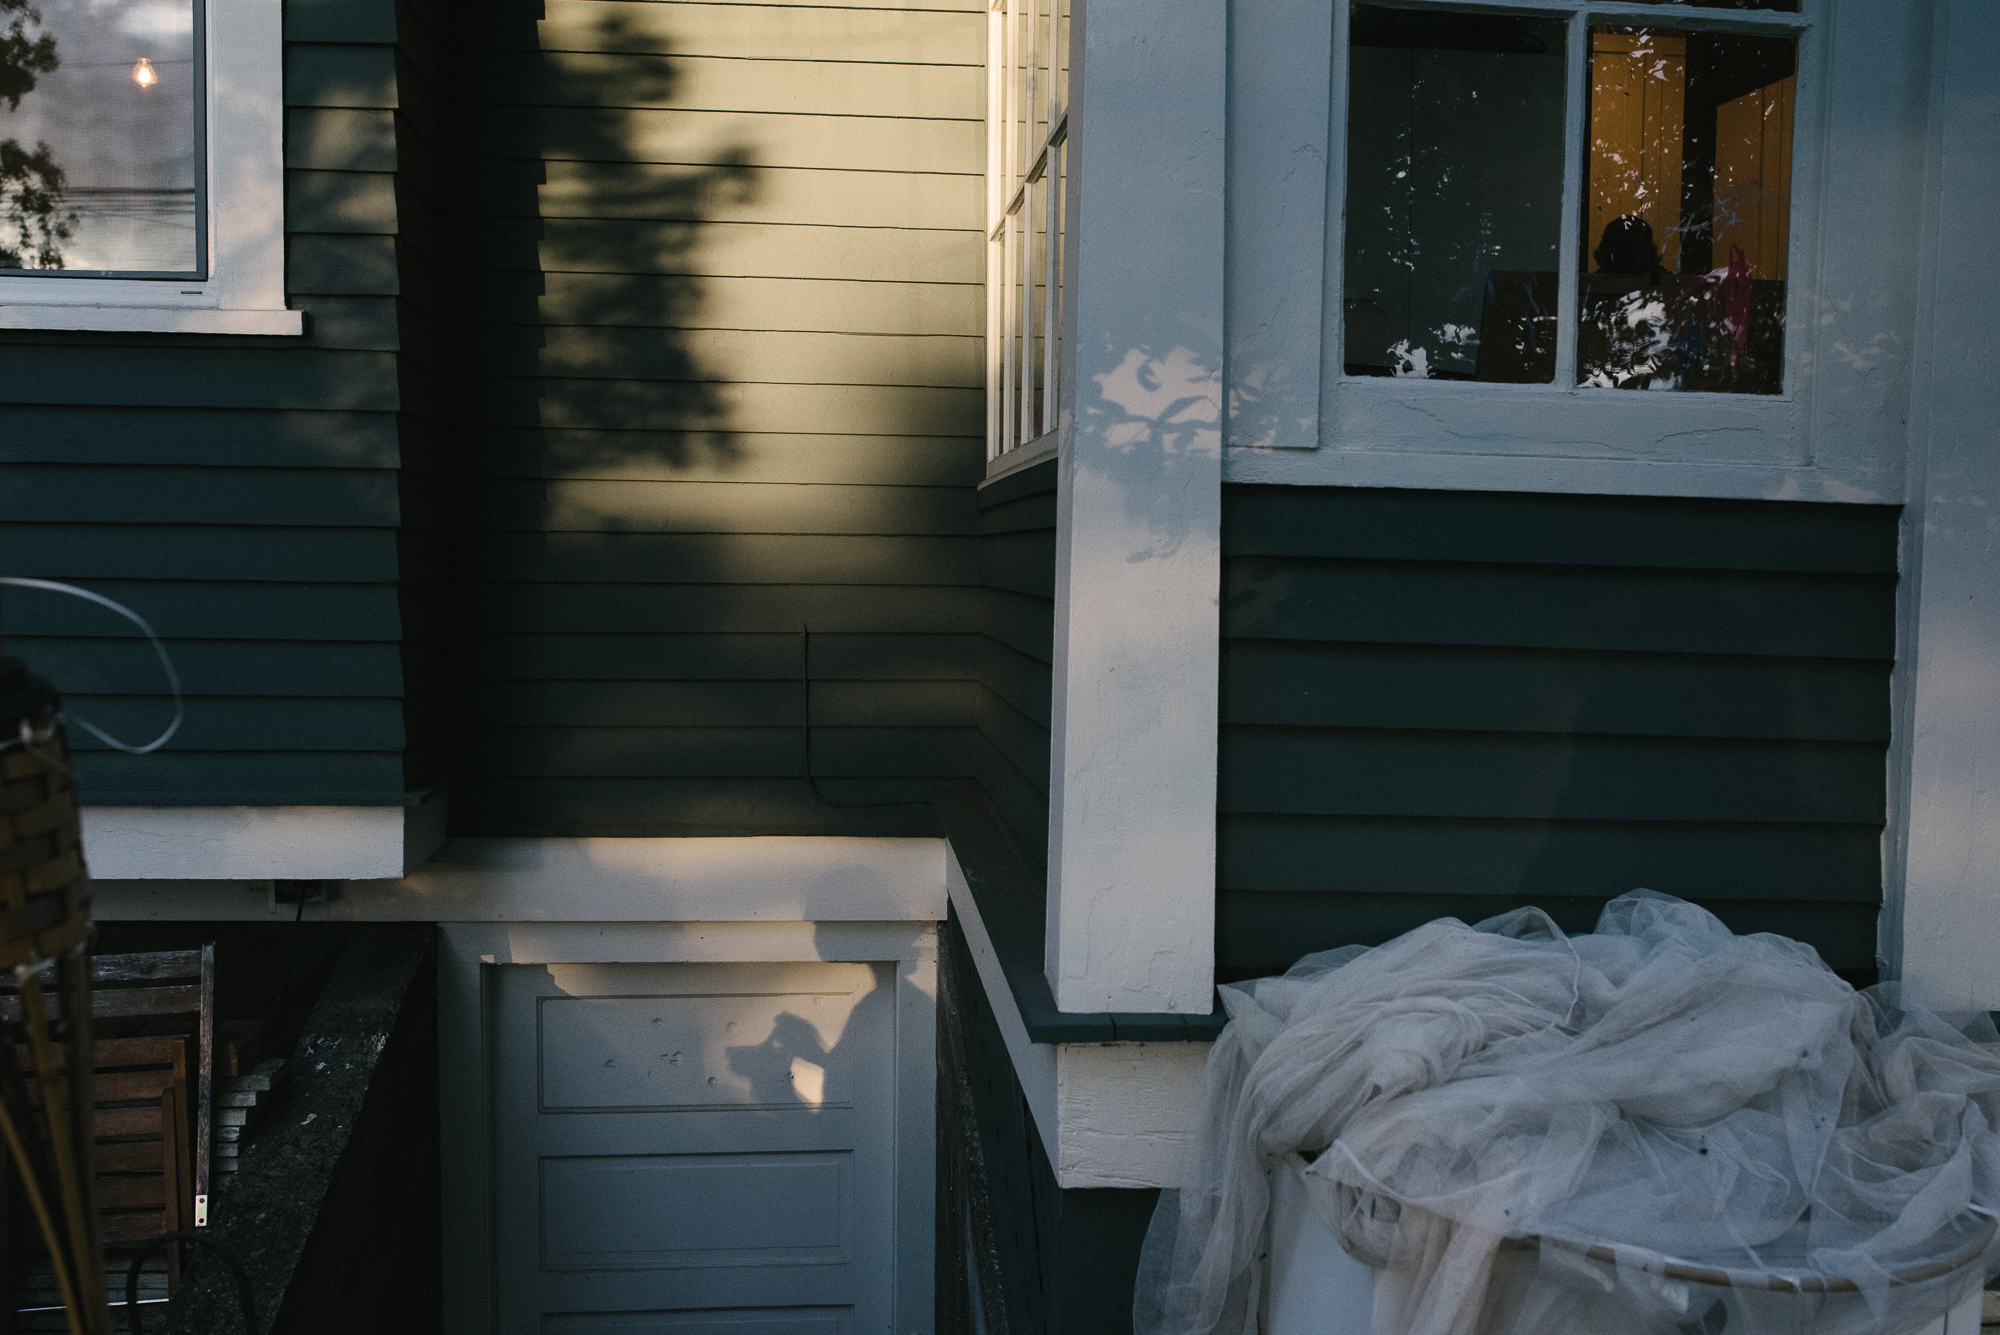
<point>1473,1110</point>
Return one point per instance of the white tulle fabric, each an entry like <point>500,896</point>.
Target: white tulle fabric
<point>1661,1086</point>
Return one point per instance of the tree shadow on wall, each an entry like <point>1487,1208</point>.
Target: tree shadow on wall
<point>583,210</point>
<point>580,209</point>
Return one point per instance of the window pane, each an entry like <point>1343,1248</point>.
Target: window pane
<point>1059,60</point>
<point>1021,17</point>
<point>100,143</point>
<point>1687,210</point>
<point>1454,195</point>
<point>1058,180</point>
<point>1035,294</point>
<point>1038,79</point>
<point>1782,6</point>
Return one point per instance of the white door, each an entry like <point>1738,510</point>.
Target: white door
<point>695,1149</point>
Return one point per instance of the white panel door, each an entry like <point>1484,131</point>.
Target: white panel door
<point>695,1149</point>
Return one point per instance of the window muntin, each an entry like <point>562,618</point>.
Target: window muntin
<point>102,154</point>
<point>1517,308</point>
<point>1027,138</point>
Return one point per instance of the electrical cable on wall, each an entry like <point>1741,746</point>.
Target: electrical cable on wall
<point>28,739</point>
<point>805,683</point>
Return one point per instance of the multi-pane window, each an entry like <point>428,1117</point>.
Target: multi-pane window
<point>1027,134</point>
<point>101,139</point>
<point>1496,231</point>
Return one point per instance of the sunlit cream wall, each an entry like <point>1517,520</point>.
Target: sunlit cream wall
<point>723,385</point>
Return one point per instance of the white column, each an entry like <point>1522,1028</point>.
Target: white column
<point>1941,922</point>
<point>1132,774</point>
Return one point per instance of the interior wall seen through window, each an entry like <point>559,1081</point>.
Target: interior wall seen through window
<point>1456,139</point>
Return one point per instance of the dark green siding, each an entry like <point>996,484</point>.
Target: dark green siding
<point>1455,703</point>
<point>717,383</point>
<point>1017,562</point>
<point>242,493</point>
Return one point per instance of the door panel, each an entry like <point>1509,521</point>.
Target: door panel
<point>690,1149</point>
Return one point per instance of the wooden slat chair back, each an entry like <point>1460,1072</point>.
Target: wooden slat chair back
<point>151,1093</point>
<point>145,1176</point>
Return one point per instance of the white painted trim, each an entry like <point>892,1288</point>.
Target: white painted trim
<point>1941,916</point>
<point>1021,457</point>
<point>1034,1063</point>
<point>152,319</point>
<point>1550,472</point>
<point>1443,420</point>
<point>1127,1112</point>
<point>775,879</point>
<point>466,951</point>
<point>1836,434</point>
<point>1138,551</point>
<point>1279,76</point>
<point>1109,1114</point>
<point>246,207</point>
<point>260,843</point>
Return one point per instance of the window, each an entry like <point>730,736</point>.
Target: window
<point>1027,136</point>
<point>1576,245</point>
<point>102,169</point>
<point>1457,189</point>
<point>141,170</point>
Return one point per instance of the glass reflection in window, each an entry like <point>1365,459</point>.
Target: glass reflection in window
<point>1454,195</point>
<point>101,138</point>
<point>1687,209</point>
<point>1782,6</point>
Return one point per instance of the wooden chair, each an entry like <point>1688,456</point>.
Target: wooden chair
<point>151,1098</point>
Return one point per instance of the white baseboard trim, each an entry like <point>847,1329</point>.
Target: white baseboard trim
<point>295,843</point>
<point>154,320</point>
<point>773,879</point>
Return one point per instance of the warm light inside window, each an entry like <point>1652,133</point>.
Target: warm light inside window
<point>143,73</point>
<point>1688,195</point>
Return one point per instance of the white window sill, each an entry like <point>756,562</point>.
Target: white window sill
<point>153,320</point>
<point>1023,456</point>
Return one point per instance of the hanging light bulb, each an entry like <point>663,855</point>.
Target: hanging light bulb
<point>144,74</point>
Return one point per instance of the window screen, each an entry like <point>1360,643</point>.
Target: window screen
<point>101,138</point>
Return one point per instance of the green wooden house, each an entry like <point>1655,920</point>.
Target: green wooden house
<point>857,559</point>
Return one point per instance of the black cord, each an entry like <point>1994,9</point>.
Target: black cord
<point>146,1249</point>
<point>291,963</point>
<point>806,723</point>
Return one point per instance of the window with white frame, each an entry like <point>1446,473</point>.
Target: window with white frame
<point>141,166</point>
<point>102,166</point>
<point>1551,201</point>
<point>1455,197</point>
<point>1027,128</point>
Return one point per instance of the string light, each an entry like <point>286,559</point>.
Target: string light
<point>144,74</point>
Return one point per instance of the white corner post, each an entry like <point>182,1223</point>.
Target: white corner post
<point>1941,919</point>
<point>1138,556</point>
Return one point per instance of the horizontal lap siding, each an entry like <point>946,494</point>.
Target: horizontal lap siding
<point>242,493</point>
<point>1442,703</point>
<point>1017,525</point>
<point>717,368</point>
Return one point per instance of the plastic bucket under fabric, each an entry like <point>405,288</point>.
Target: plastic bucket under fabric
<point>1316,1288</point>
